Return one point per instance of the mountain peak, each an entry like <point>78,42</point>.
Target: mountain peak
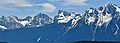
<point>40,20</point>
<point>60,11</point>
<point>64,16</point>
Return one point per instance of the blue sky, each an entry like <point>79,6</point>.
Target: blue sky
<point>23,8</point>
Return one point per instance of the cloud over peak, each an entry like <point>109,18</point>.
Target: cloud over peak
<point>76,2</point>
<point>47,7</point>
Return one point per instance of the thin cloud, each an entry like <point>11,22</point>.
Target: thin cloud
<point>15,3</point>
<point>70,2</point>
<point>76,2</point>
<point>46,7</point>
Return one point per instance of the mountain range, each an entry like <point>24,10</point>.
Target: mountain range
<point>94,24</point>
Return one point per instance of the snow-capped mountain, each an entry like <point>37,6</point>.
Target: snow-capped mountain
<point>13,22</point>
<point>99,17</point>
<point>64,17</point>
<point>10,22</point>
<point>103,16</point>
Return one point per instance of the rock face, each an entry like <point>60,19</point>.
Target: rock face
<point>10,22</point>
<point>100,24</point>
<point>39,20</point>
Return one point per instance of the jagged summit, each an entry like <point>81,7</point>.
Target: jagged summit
<point>65,17</point>
<point>39,20</point>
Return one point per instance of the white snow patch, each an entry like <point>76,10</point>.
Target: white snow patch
<point>24,22</point>
<point>90,11</point>
<point>90,20</point>
<point>38,39</point>
<point>3,27</point>
<point>117,29</point>
<point>104,19</point>
<point>107,18</point>
<point>117,8</point>
<point>65,19</point>
<point>75,20</point>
